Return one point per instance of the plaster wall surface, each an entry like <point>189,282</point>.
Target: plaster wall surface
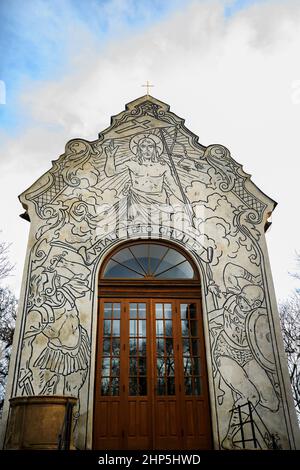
<point>147,176</point>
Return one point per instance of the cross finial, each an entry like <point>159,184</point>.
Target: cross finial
<point>148,86</point>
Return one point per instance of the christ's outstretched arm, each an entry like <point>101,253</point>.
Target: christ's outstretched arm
<point>110,167</point>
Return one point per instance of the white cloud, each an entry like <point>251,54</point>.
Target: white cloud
<point>232,79</point>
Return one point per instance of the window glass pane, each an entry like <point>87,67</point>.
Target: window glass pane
<point>115,367</point>
<point>133,366</point>
<point>133,386</point>
<point>197,386</point>
<point>143,386</point>
<point>107,310</point>
<point>142,328</point>
<point>188,385</point>
<point>168,325</point>
<point>114,269</point>
<point>142,310</point>
<point>115,346</point>
<point>117,311</point>
<point>185,328</point>
<point>169,347</point>
<point>159,328</point>
<point>141,253</point>
<point>116,328</point>
<point>105,386</point>
<point>193,312</point>
<point>142,347</point>
<point>133,310</point>
<point>105,367</point>
<point>187,366</point>
<point>133,327</point>
<point>170,386</point>
<point>156,254</point>
<point>142,366</point>
<point>158,311</point>
<point>182,271</point>
<point>114,386</point>
<point>186,346</point>
<point>195,347</point>
<point>160,388</point>
<point>168,311</point>
<point>170,366</point>
<point>196,369</point>
<point>160,347</point>
<point>171,258</point>
<point>133,346</point>
<point>107,327</point>
<point>194,328</point>
<point>184,311</point>
<point>106,347</point>
<point>160,366</point>
<point>125,257</point>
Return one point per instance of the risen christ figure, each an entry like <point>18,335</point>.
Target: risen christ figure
<point>149,174</point>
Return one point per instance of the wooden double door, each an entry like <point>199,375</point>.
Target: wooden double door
<point>151,382</point>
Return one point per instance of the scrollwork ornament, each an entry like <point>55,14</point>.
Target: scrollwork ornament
<point>219,157</point>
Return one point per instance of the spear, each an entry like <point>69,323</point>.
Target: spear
<point>187,205</point>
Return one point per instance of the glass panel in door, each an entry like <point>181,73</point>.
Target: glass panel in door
<point>110,367</point>
<point>165,360</point>
<point>190,348</point>
<point>137,349</point>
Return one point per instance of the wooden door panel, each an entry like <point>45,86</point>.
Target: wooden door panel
<point>166,418</point>
<point>139,424</point>
<point>109,431</point>
<point>195,417</point>
<point>138,418</point>
<point>138,378</point>
<point>167,432</point>
<point>166,375</point>
<point>197,425</point>
<point>161,397</point>
<point>194,393</point>
<point>191,419</point>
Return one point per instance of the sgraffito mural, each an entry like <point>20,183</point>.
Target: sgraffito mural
<point>148,176</point>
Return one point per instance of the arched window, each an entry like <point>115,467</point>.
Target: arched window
<point>148,261</point>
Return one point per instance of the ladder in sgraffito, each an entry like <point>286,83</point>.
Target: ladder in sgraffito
<point>252,428</point>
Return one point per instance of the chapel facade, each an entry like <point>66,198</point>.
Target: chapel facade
<point>147,294</point>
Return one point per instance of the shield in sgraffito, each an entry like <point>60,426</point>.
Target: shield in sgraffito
<point>259,338</point>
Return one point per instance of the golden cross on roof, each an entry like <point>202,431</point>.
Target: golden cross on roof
<point>148,86</point>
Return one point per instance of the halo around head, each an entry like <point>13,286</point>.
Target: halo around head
<point>134,142</point>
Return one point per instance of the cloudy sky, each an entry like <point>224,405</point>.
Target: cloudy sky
<point>231,68</point>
